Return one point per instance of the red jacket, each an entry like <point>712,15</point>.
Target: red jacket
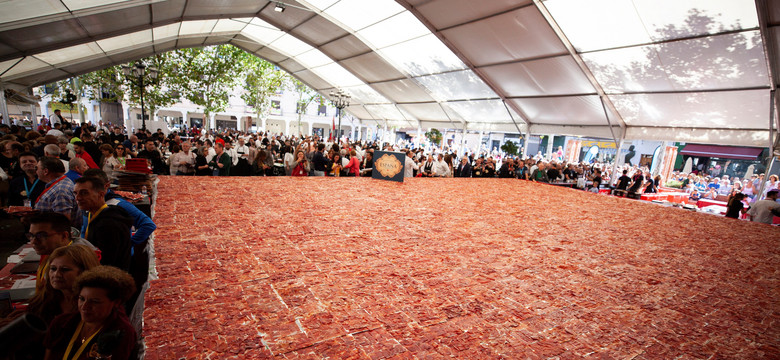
<point>353,166</point>
<point>91,163</point>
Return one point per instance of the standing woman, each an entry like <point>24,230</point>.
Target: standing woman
<point>100,320</point>
<point>748,189</point>
<point>108,162</point>
<point>353,166</point>
<point>301,164</point>
<point>335,169</point>
<point>448,160</point>
<point>771,184</point>
<point>735,207</point>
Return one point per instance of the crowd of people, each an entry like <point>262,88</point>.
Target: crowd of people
<point>197,152</point>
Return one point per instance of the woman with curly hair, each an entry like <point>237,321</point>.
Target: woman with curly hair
<point>57,297</point>
<point>100,328</point>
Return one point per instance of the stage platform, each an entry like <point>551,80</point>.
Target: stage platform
<point>355,268</point>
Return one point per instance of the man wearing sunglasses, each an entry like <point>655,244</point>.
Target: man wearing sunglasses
<point>49,231</point>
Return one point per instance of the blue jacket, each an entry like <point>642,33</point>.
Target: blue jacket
<point>72,175</point>
<point>144,226</point>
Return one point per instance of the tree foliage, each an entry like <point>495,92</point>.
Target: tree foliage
<point>509,147</point>
<point>304,96</point>
<point>261,81</point>
<point>434,136</point>
<point>205,76</point>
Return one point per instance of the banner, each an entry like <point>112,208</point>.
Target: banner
<point>573,148</point>
<point>389,166</point>
<point>670,156</point>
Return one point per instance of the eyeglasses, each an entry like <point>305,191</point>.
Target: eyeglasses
<point>40,236</point>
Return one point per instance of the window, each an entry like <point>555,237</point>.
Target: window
<point>276,107</point>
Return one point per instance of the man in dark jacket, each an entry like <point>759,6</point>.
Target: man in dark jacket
<point>108,226</point>
<point>153,155</point>
<point>464,169</point>
<point>319,161</point>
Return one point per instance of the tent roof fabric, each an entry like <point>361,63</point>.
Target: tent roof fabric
<point>723,152</point>
<point>606,68</point>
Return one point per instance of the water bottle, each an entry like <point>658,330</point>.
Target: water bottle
<point>143,191</point>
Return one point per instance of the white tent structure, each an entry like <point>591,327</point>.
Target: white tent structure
<point>692,70</point>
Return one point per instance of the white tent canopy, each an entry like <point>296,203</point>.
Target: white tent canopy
<point>694,71</point>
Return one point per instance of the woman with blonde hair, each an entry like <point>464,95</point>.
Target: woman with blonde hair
<point>57,296</point>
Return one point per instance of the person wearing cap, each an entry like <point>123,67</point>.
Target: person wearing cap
<point>762,211</point>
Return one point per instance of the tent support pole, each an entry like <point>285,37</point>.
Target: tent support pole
<point>527,140</point>
<point>4,106</point>
<point>771,144</point>
<point>619,145</point>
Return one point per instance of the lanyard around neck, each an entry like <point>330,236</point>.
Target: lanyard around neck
<point>91,217</point>
<point>83,345</point>
<point>29,190</point>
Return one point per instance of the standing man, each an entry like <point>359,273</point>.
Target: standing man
<point>440,167</point>
<point>221,162</point>
<point>464,169</point>
<point>319,161</point>
<point>410,166</point>
<point>108,226</point>
<point>153,155</point>
<point>57,118</point>
<point>26,189</point>
<point>58,195</point>
<point>184,160</point>
<point>81,153</point>
<point>91,147</point>
<point>763,211</point>
<point>243,152</point>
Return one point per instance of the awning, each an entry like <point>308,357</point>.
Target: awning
<point>724,152</point>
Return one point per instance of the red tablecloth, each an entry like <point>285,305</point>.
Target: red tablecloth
<point>707,202</point>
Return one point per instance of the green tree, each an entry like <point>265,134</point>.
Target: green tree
<point>304,97</point>
<point>206,75</point>
<point>110,85</point>
<point>509,147</point>
<point>158,93</point>
<point>261,81</point>
<point>434,136</point>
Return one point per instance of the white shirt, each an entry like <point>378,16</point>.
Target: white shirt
<point>761,211</point>
<point>211,154</point>
<point>233,155</point>
<point>409,167</point>
<point>242,151</point>
<point>440,168</point>
<point>289,160</point>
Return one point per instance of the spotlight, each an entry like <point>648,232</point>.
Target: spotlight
<point>279,7</point>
